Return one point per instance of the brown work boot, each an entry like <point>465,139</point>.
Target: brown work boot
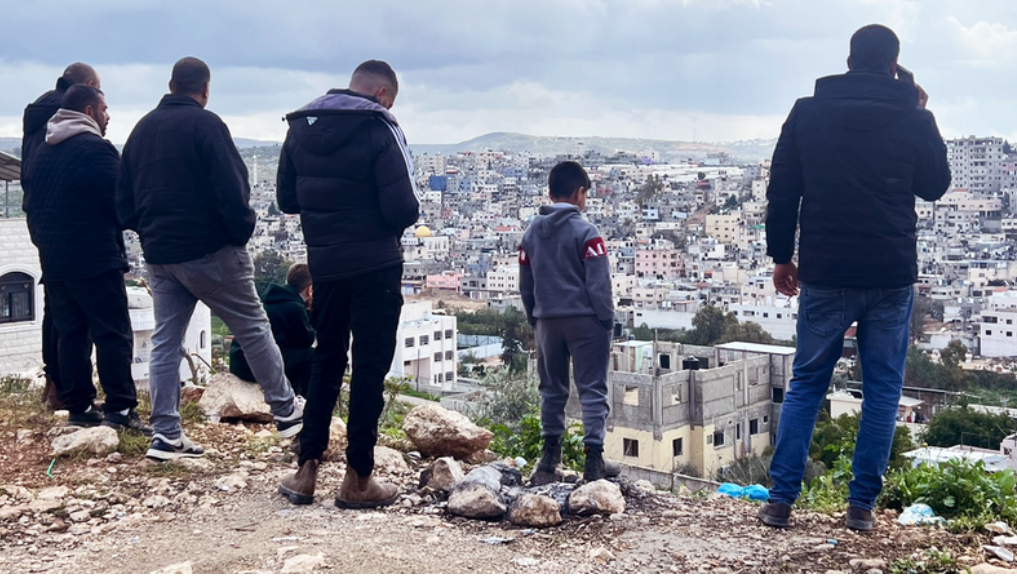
<point>299,487</point>
<point>364,493</point>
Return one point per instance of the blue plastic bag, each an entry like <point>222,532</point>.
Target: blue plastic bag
<point>753,492</point>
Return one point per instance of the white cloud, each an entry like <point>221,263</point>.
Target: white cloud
<point>987,40</point>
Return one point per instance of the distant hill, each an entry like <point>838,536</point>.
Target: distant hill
<point>249,143</point>
<point>10,145</point>
<point>749,150</point>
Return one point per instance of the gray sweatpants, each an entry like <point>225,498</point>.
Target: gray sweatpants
<point>588,344</point>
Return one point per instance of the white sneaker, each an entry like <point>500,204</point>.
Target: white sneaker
<point>291,425</point>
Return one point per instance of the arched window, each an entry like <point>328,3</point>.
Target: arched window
<point>201,338</point>
<point>17,298</point>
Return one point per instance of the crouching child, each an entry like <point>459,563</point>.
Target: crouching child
<point>565,281</point>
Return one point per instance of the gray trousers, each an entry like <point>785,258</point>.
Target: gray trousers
<point>588,344</point>
<point>223,280</point>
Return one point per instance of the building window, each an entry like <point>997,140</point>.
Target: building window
<point>630,447</point>
<point>449,377</point>
<point>631,396</point>
<point>718,439</point>
<point>754,427</point>
<point>16,298</point>
<point>738,432</point>
<point>409,342</point>
<point>766,419</point>
<point>438,377</point>
<point>437,357</point>
<point>424,340</point>
<point>1009,333</point>
<point>448,355</point>
<point>988,333</point>
<point>201,340</point>
<point>665,361</point>
<point>448,333</point>
<point>676,446</point>
<point>437,336</point>
<point>778,395</point>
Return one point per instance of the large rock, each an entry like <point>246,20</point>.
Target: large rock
<point>96,440</point>
<point>191,394</point>
<point>601,496</point>
<point>389,461</point>
<point>58,492</point>
<point>336,440</point>
<point>487,477</point>
<point>229,397</point>
<point>439,432</point>
<point>535,511</point>
<point>442,474</point>
<point>476,502</point>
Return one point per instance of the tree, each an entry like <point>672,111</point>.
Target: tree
<point>962,425</point>
<point>834,437</point>
<point>653,186</point>
<point>953,353</point>
<point>270,268</point>
<point>708,325</point>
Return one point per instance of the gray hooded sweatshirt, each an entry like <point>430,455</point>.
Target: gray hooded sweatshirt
<point>564,269</point>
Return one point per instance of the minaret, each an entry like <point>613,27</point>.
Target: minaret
<point>254,177</point>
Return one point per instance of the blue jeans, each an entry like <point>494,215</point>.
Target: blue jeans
<point>223,280</point>
<point>823,316</point>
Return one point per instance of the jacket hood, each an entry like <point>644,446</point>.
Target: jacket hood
<point>328,122</point>
<point>68,123</point>
<point>866,100</point>
<point>276,294</point>
<point>551,219</point>
<point>38,113</point>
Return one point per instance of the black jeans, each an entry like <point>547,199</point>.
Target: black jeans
<point>369,306</point>
<point>95,306</point>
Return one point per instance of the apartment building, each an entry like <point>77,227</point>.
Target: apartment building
<point>426,346</point>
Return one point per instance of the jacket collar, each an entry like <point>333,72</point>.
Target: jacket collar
<point>867,85</point>
<point>178,100</point>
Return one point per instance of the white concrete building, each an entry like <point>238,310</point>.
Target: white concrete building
<point>426,346</point>
<point>20,299</point>
<point>998,333</point>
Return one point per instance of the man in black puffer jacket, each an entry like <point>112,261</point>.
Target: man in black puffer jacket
<point>73,223</point>
<point>846,170</point>
<point>346,170</point>
<point>37,114</point>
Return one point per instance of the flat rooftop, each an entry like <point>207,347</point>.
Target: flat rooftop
<point>756,348</point>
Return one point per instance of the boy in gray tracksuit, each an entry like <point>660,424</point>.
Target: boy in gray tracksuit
<point>565,281</point>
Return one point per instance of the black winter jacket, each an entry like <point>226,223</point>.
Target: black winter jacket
<point>184,187</point>
<point>71,216</point>
<point>291,326</point>
<point>854,156</point>
<point>37,114</point>
<point>344,168</point>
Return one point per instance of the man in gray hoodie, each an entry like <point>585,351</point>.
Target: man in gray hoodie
<point>565,281</point>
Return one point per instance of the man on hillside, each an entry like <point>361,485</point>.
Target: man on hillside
<point>37,114</point>
<point>853,157</point>
<point>184,189</point>
<point>346,170</point>
<point>73,223</point>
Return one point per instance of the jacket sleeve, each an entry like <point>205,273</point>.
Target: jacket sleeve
<point>784,193</point>
<point>526,283</point>
<point>228,175</point>
<point>286,181</point>
<point>124,200</point>
<point>597,267</point>
<point>932,169</point>
<point>105,165</point>
<point>392,171</point>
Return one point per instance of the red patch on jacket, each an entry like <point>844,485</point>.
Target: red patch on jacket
<point>594,248</point>
<point>524,259</point>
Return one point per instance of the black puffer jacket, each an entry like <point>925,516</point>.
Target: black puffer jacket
<point>854,156</point>
<point>345,169</point>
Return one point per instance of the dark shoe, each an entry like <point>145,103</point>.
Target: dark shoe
<point>546,471</point>
<point>91,417</point>
<point>364,493</point>
<point>860,519</point>
<point>164,449</point>
<point>51,395</point>
<point>299,487</point>
<point>131,422</point>
<point>596,467</point>
<point>291,425</point>
<point>775,514</point>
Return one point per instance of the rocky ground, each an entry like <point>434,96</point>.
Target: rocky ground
<point>223,514</point>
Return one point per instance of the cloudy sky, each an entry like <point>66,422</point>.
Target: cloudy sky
<point>721,70</point>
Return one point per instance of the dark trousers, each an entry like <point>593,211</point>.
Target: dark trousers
<point>95,306</point>
<point>51,340</point>
<point>297,365</point>
<point>368,306</point>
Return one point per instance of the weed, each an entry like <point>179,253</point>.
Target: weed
<point>828,493</point>
<point>191,413</point>
<point>259,445</point>
<point>931,560</point>
<point>167,469</point>
<point>132,444</point>
<point>524,440</point>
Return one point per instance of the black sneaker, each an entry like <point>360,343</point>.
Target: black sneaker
<point>860,519</point>
<point>775,514</point>
<point>291,425</point>
<point>91,417</point>
<point>131,421</point>
<point>546,471</point>
<point>164,449</point>
<point>596,467</point>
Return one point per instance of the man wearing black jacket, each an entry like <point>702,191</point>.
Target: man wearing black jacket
<point>37,114</point>
<point>845,172</point>
<point>184,189</point>
<point>346,170</point>
<point>73,223</point>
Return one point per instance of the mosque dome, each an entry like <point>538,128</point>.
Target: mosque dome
<point>422,232</point>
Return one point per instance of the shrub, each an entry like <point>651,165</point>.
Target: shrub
<point>523,439</point>
<point>828,492</point>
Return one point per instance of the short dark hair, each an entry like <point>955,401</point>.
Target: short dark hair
<point>190,75</point>
<point>299,277</point>
<point>379,69</point>
<point>81,96</point>
<point>77,73</point>
<point>566,177</point>
<point>874,47</point>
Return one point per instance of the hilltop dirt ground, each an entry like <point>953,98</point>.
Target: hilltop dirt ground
<point>223,514</point>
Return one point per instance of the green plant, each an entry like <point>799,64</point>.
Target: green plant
<point>960,490</point>
<point>132,444</point>
<point>828,492</point>
<point>191,412</point>
<point>931,560</point>
<point>524,440</point>
<point>511,397</point>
